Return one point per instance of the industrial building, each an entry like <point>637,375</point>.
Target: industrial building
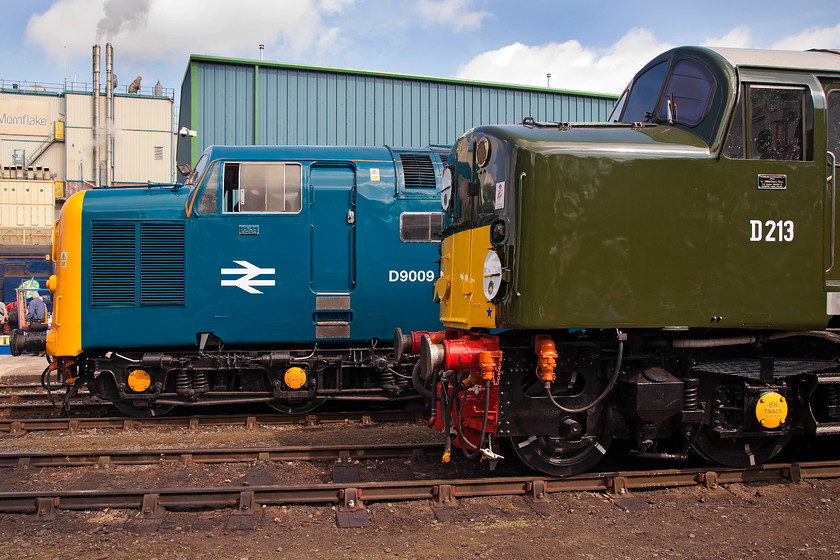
<point>53,144</point>
<point>248,102</point>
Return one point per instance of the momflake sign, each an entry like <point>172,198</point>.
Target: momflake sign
<point>28,118</point>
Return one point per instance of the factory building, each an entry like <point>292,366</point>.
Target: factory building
<point>53,144</point>
<point>248,102</point>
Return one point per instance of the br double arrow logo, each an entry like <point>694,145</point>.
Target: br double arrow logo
<point>248,274</point>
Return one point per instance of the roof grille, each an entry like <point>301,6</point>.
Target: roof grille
<point>418,170</point>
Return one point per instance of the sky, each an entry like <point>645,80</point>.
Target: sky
<point>586,45</point>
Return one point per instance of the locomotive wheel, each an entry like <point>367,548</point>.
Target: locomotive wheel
<point>108,387</point>
<point>289,407</point>
<point>737,452</point>
<point>556,456</point>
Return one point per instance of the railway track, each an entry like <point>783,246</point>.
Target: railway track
<point>350,495</point>
<point>106,458</point>
<point>21,426</point>
<point>32,399</point>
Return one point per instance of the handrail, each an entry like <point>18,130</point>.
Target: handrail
<point>42,147</point>
<point>832,180</point>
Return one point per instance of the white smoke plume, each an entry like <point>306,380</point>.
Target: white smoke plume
<point>122,15</point>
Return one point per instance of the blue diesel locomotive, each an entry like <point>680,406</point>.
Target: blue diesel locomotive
<point>274,274</point>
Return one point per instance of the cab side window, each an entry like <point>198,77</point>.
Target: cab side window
<point>421,227</point>
<point>273,188</point>
<point>773,128</point>
<point>208,201</point>
<point>777,122</point>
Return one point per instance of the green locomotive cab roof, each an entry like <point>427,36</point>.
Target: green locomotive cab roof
<point>692,89</point>
<point>695,88</point>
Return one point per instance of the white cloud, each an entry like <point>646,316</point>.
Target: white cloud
<point>335,6</point>
<point>169,29</point>
<point>814,38</point>
<point>740,37</point>
<point>454,13</point>
<point>70,23</point>
<point>572,66</point>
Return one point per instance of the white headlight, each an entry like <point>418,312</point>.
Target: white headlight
<point>446,189</point>
<point>492,275</point>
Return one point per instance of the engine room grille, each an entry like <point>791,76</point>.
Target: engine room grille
<point>418,170</point>
<point>120,249</point>
<point>751,368</point>
<point>113,264</point>
<point>162,263</point>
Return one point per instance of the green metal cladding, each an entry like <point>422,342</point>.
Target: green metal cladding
<point>246,102</point>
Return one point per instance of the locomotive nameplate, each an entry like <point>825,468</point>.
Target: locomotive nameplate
<point>249,230</point>
<point>772,182</point>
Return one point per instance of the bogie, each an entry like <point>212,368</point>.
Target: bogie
<point>296,381</point>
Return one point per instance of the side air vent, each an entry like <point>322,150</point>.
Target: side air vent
<point>118,249</point>
<point>162,263</point>
<point>418,170</point>
<point>113,264</point>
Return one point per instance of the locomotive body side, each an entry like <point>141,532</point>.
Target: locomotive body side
<point>271,254</point>
<point>658,278</point>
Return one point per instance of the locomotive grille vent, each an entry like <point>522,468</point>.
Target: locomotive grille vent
<point>115,261</point>
<point>162,263</point>
<point>751,368</point>
<point>418,170</point>
<point>112,264</point>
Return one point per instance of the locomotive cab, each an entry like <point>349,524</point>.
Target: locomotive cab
<point>667,277</point>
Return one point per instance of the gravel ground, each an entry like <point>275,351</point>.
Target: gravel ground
<point>779,521</point>
<point>737,521</point>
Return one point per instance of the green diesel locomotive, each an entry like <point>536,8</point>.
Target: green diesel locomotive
<point>671,277</point>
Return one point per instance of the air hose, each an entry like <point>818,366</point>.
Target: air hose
<point>417,381</point>
<point>602,396</point>
<point>476,448</point>
<point>445,405</point>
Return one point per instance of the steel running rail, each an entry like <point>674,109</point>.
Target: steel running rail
<point>105,458</point>
<point>21,426</point>
<point>154,502</point>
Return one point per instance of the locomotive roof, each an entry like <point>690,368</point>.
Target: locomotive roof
<point>800,60</point>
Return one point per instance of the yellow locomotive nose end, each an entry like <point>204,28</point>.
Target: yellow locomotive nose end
<point>771,410</point>
<point>294,378</point>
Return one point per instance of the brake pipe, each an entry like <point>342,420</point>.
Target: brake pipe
<point>445,412</point>
<point>621,338</point>
<point>476,448</point>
